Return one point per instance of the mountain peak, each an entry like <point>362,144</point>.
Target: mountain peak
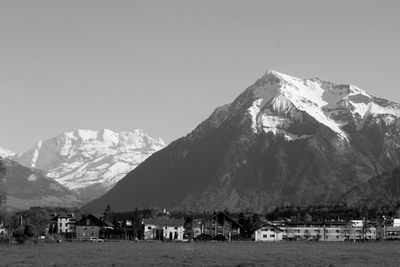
<point>273,73</point>
<point>5,153</point>
<point>276,94</point>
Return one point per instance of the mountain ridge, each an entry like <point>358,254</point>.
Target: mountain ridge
<point>22,188</point>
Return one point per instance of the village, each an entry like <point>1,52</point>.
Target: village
<point>67,226</point>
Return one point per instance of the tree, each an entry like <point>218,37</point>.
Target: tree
<point>30,231</point>
<point>107,213</point>
<point>307,217</point>
<point>51,227</point>
<point>188,228</point>
<point>3,172</point>
<point>19,235</point>
<point>55,229</point>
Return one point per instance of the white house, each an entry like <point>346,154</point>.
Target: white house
<point>163,229</point>
<point>268,233</point>
<point>64,222</point>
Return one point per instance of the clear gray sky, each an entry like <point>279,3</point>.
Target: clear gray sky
<point>163,66</point>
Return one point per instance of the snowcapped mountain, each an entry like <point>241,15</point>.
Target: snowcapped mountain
<point>5,153</point>
<point>90,162</point>
<point>278,99</point>
<point>283,141</point>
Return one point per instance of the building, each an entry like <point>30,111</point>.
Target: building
<point>65,223</point>
<point>163,229</point>
<point>90,226</point>
<point>360,230</point>
<point>221,225</point>
<point>392,233</point>
<point>268,233</point>
<point>396,222</point>
<point>314,231</point>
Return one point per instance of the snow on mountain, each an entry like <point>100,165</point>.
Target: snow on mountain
<point>283,141</point>
<point>90,162</point>
<point>275,94</point>
<point>5,153</point>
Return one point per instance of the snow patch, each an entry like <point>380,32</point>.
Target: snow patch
<point>5,153</point>
<point>32,178</point>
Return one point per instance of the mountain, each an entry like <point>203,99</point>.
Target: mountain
<point>5,153</point>
<point>379,193</point>
<point>283,141</point>
<point>90,162</point>
<point>22,188</point>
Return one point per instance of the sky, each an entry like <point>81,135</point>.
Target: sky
<point>164,66</point>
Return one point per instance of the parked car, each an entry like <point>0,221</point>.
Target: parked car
<point>95,239</point>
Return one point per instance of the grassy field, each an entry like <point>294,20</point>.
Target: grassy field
<point>203,254</point>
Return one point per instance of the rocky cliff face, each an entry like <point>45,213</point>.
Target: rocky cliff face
<point>284,140</point>
<point>90,162</point>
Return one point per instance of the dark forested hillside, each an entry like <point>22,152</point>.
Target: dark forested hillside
<point>21,188</point>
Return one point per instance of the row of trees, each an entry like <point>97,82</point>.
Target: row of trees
<point>332,212</point>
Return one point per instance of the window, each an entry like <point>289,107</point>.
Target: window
<point>337,237</point>
<point>272,236</point>
<point>148,227</point>
<point>265,236</point>
<point>176,228</point>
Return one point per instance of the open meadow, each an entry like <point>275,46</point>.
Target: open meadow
<point>203,254</point>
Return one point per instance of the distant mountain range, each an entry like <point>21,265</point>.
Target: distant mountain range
<point>89,162</point>
<point>22,188</point>
<point>283,141</point>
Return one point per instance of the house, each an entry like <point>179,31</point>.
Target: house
<point>316,231</point>
<point>3,230</point>
<point>64,222</point>
<point>221,224</point>
<point>90,226</point>
<point>163,229</point>
<point>268,233</point>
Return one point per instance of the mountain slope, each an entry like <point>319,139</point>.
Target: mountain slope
<point>382,191</point>
<point>90,162</point>
<point>284,140</point>
<point>21,188</point>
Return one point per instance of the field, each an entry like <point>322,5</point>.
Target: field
<point>203,254</point>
